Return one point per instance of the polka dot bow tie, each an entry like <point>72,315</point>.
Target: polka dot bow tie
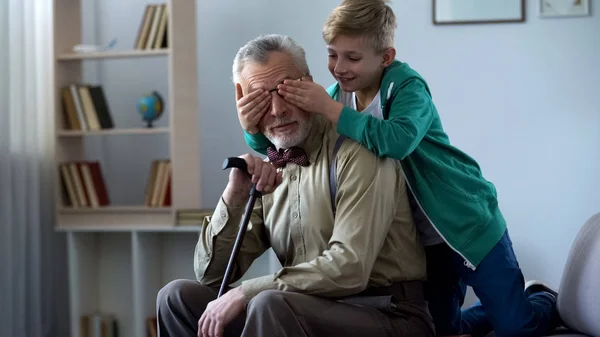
<point>280,158</point>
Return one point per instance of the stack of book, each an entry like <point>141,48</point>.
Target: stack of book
<point>152,326</point>
<point>99,325</point>
<point>193,217</point>
<point>83,184</point>
<point>158,187</point>
<point>85,108</point>
<point>152,33</point>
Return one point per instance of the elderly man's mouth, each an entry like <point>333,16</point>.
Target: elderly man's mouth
<point>284,127</point>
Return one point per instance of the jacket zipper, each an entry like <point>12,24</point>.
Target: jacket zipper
<point>467,263</point>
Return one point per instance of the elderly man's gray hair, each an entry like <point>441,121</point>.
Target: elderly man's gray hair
<point>258,49</point>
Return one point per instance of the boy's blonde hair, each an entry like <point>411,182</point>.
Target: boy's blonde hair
<point>372,19</point>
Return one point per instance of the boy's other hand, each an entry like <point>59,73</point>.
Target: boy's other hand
<point>251,108</point>
<point>309,96</point>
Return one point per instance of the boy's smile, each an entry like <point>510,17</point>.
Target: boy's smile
<point>345,81</point>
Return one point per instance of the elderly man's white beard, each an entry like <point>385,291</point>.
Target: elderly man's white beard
<point>288,141</point>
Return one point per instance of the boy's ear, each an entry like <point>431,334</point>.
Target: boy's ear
<point>389,55</point>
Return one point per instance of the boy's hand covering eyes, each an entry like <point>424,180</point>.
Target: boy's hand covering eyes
<point>309,96</point>
<point>251,107</point>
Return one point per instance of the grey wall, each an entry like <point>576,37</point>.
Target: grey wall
<point>522,99</point>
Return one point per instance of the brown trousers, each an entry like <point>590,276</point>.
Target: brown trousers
<point>276,313</point>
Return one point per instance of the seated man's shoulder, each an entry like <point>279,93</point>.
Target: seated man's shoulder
<point>352,150</point>
<point>351,154</point>
<point>352,157</point>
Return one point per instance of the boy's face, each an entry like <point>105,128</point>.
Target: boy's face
<point>354,63</point>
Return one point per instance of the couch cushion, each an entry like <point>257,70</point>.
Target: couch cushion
<point>579,292</point>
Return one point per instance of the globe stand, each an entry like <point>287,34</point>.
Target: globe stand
<point>151,108</point>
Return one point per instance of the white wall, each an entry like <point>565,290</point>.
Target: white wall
<point>522,99</point>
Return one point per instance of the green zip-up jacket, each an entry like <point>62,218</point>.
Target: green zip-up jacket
<point>447,183</point>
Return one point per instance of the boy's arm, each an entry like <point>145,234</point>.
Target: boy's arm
<point>366,201</point>
<point>411,115</point>
<point>258,142</point>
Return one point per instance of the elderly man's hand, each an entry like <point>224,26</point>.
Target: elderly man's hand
<point>309,96</point>
<point>251,108</point>
<point>262,173</point>
<point>221,312</point>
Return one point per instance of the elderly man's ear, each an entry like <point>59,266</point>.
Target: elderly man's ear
<point>238,92</point>
<point>307,78</point>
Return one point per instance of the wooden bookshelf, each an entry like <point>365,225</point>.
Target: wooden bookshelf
<point>120,255</point>
<point>138,229</point>
<point>113,54</point>
<point>115,209</point>
<point>109,132</point>
<point>181,104</point>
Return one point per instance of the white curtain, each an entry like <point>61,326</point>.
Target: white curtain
<point>33,295</point>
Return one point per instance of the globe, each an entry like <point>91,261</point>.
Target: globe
<point>150,107</point>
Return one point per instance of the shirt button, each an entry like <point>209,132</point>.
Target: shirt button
<point>295,215</point>
<point>223,214</point>
<point>294,178</point>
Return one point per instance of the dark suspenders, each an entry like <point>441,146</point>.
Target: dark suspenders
<point>332,168</point>
<point>332,171</point>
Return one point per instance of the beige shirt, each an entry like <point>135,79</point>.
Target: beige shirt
<point>372,241</point>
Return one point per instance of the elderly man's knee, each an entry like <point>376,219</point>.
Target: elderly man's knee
<point>267,300</point>
<point>169,292</point>
<point>178,292</point>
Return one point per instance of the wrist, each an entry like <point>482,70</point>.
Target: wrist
<point>252,130</point>
<point>237,294</point>
<point>235,197</point>
<point>333,111</point>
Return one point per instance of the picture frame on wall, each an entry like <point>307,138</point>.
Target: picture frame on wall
<point>563,8</point>
<point>451,12</point>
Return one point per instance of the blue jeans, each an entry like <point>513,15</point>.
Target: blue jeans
<point>498,283</point>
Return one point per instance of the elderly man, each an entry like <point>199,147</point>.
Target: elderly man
<point>358,273</point>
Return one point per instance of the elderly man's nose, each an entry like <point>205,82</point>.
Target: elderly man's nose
<point>279,105</point>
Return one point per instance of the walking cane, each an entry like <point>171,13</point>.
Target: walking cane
<point>235,162</point>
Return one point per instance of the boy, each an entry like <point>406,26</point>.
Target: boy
<point>387,107</point>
